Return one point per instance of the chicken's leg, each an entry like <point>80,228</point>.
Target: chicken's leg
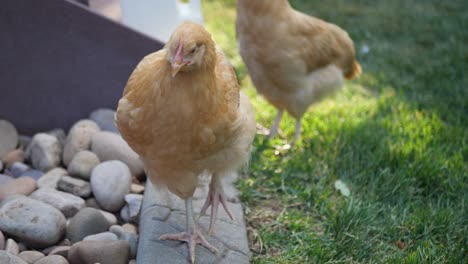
<point>193,235</point>
<point>297,132</point>
<point>215,196</point>
<point>276,123</point>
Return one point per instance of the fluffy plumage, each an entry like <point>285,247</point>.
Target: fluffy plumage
<point>294,60</point>
<point>183,113</point>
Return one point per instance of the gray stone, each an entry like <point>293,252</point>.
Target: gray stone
<point>18,168</point>
<point>44,151</point>
<point>105,119</point>
<point>105,236</point>
<point>23,185</point>
<point>91,202</point>
<point>111,219</point>
<point>74,186</point>
<point>111,146</point>
<point>67,203</point>
<point>53,259</point>
<point>31,256</point>
<point>79,138</point>
<point>60,250</point>
<point>8,138</point>
<point>124,235</point>
<point>2,241</point>
<point>22,246</point>
<point>12,247</point>
<point>103,252</point>
<point>16,155</point>
<point>8,258</point>
<point>36,223</point>
<point>110,182</point>
<point>35,174</point>
<point>117,230</point>
<point>60,135</point>
<point>88,221</point>
<point>51,178</point>
<point>82,164</point>
<point>131,211</point>
<point>4,179</point>
<point>132,241</point>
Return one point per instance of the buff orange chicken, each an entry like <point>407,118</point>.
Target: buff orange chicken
<point>183,113</point>
<point>294,60</point>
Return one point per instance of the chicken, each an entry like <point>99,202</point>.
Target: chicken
<point>294,60</point>
<point>183,113</point>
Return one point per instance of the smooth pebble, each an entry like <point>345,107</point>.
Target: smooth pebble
<point>79,138</point>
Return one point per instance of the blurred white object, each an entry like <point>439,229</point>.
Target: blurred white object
<point>159,18</point>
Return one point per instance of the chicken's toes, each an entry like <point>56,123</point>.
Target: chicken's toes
<point>192,239</point>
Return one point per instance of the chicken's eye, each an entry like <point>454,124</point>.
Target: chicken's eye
<point>193,50</point>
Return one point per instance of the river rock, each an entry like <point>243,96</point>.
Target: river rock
<point>111,146</point>
<point>23,185</point>
<point>17,169</point>
<point>68,204</point>
<point>8,258</point>
<point>2,241</point>
<point>16,155</point>
<point>53,259</point>
<point>36,223</point>
<point>130,228</point>
<point>103,252</point>
<point>111,219</point>
<point>60,250</point>
<point>105,119</point>
<point>82,164</point>
<point>4,179</point>
<point>60,135</point>
<point>31,256</point>
<point>12,247</point>
<point>8,138</point>
<point>35,174</point>
<point>137,188</point>
<point>44,151</point>
<point>51,178</point>
<point>79,138</point>
<point>131,211</point>
<point>88,221</point>
<point>110,182</point>
<point>74,186</point>
<point>105,236</point>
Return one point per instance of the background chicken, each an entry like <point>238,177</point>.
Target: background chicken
<point>183,113</point>
<point>294,60</point>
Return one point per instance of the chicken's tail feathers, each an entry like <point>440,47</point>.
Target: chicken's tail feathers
<point>355,71</point>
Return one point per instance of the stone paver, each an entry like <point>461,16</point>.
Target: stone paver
<point>164,213</point>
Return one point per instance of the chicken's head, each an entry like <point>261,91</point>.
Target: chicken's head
<point>190,48</point>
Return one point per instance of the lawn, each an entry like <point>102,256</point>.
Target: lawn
<point>397,137</point>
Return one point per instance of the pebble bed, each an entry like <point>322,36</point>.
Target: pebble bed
<point>69,198</point>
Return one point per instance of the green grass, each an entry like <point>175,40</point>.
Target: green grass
<point>397,137</point>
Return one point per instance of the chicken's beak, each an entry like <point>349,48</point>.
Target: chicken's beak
<point>176,66</point>
<point>178,62</point>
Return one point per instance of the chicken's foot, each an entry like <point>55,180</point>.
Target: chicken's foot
<point>193,235</point>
